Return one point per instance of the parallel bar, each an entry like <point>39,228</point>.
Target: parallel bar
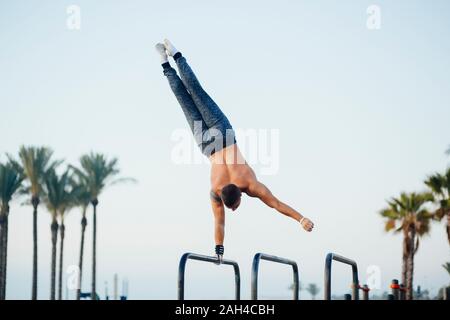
<point>199,257</point>
<point>255,270</point>
<point>355,285</point>
<point>365,288</point>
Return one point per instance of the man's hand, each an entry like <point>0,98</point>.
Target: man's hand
<point>219,252</point>
<point>307,224</point>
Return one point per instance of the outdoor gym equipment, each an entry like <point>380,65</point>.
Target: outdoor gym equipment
<point>395,288</point>
<point>199,257</point>
<point>255,269</point>
<point>365,289</point>
<point>398,291</point>
<point>355,284</point>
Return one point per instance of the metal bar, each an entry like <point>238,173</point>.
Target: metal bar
<point>199,257</point>
<point>355,285</point>
<point>255,270</point>
<point>365,288</point>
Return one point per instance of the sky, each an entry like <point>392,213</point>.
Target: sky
<point>361,115</point>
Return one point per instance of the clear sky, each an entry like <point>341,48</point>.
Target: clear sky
<point>362,115</point>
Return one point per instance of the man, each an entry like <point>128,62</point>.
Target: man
<point>230,174</point>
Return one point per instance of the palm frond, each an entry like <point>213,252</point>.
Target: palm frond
<point>390,225</point>
<point>409,209</point>
<point>35,162</point>
<point>389,213</point>
<point>98,172</point>
<point>123,180</point>
<point>401,203</point>
<point>59,196</point>
<point>435,183</point>
<point>446,183</point>
<point>446,266</point>
<point>80,193</point>
<point>10,182</point>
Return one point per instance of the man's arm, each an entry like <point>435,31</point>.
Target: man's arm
<point>259,190</point>
<point>219,221</point>
<point>219,227</point>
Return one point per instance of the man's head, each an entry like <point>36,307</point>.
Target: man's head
<point>231,196</point>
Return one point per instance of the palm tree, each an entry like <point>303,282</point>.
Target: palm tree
<point>313,290</point>
<point>300,287</point>
<point>56,199</point>
<point>98,172</point>
<point>440,186</point>
<point>35,162</point>
<point>82,199</point>
<point>413,221</point>
<point>446,266</point>
<point>10,182</point>
<point>69,199</point>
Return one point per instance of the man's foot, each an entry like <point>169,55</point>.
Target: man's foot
<point>161,49</point>
<point>307,224</point>
<point>171,50</point>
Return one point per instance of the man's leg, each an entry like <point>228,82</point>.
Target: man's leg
<point>192,114</point>
<point>210,111</point>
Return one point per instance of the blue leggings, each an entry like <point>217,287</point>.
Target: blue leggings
<point>211,128</point>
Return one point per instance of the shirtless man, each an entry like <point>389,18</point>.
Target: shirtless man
<point>230,174</point>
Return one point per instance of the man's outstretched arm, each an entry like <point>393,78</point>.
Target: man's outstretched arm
<point>259,190</point>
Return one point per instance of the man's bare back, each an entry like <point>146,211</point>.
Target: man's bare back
<point>228,167</point>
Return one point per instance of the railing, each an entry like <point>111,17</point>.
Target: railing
<point>199,257</point>
<point>355,285</point>
<point>255,268</point>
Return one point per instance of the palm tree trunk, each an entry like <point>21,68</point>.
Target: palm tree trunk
<point>94,249</point>
<point>410,274</point>
<point>5,257</point>
<point>35,203</point>
<point>80,265</point>
<point>61,254</point>
<point>54,229</point>
<point>448,226</point>
<point>2,252</point>
<point>405,256</point>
